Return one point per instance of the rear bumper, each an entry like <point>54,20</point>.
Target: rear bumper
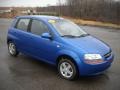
<point>95,69</point>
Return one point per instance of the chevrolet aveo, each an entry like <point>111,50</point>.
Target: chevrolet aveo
<point>59,42</point>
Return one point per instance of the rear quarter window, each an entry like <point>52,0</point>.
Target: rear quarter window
<point>22,24</point>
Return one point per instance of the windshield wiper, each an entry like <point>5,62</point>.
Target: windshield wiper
<point>68,36</point>
<point>84,35</point>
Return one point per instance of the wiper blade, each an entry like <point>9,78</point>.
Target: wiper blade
<point>68,36</point>
<point>84,35</point>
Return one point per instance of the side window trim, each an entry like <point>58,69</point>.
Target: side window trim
<point>17,22</point>
<point>29,25</point>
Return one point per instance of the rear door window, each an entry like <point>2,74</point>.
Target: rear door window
<point>23,24</point>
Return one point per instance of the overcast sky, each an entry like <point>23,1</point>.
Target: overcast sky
<point>29,3</point>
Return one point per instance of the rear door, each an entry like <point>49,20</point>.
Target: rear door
<point>21,33</point>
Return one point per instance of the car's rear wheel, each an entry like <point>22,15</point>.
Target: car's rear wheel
<point>67,69</point>
<point>12,49</point>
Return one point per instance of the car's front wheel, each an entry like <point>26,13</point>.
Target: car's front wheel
<point>12,49</point>
<point>67,69</point>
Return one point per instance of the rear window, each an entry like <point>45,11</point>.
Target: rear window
<point>23,24</point>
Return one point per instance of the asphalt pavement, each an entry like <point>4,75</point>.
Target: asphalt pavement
<point>26,73</point>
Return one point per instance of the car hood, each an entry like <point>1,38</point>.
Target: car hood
<point>89,44</point>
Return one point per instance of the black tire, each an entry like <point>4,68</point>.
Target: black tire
<point>74,68</point>
<point>15,53</point>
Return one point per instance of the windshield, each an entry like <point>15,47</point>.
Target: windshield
<point>68,28</point>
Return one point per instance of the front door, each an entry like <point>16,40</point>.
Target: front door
<point>42,48</point>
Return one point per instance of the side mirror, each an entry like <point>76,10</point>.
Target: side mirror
<point>46,35</point>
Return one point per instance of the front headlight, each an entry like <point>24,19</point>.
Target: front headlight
<point>93,58</point>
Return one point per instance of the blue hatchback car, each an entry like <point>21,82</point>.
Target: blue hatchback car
<point>59,42</point>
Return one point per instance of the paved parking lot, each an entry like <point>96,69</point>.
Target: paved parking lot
<point>25,73</point>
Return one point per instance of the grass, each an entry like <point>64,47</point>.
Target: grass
<point>94,23</point>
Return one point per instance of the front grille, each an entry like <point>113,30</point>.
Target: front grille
<point>107,55</point>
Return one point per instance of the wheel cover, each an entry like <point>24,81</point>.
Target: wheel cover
<point>12,49</point>
<point>66,69</point>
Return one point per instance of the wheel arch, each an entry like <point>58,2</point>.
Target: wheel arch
<point>9,40</point>
<point>73,58</point>
<point>64,56</point>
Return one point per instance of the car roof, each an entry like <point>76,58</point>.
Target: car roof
<point>43,17</point>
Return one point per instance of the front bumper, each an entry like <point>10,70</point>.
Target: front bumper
<point>95,69</point>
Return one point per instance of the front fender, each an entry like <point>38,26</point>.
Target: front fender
<point>71,54</point>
